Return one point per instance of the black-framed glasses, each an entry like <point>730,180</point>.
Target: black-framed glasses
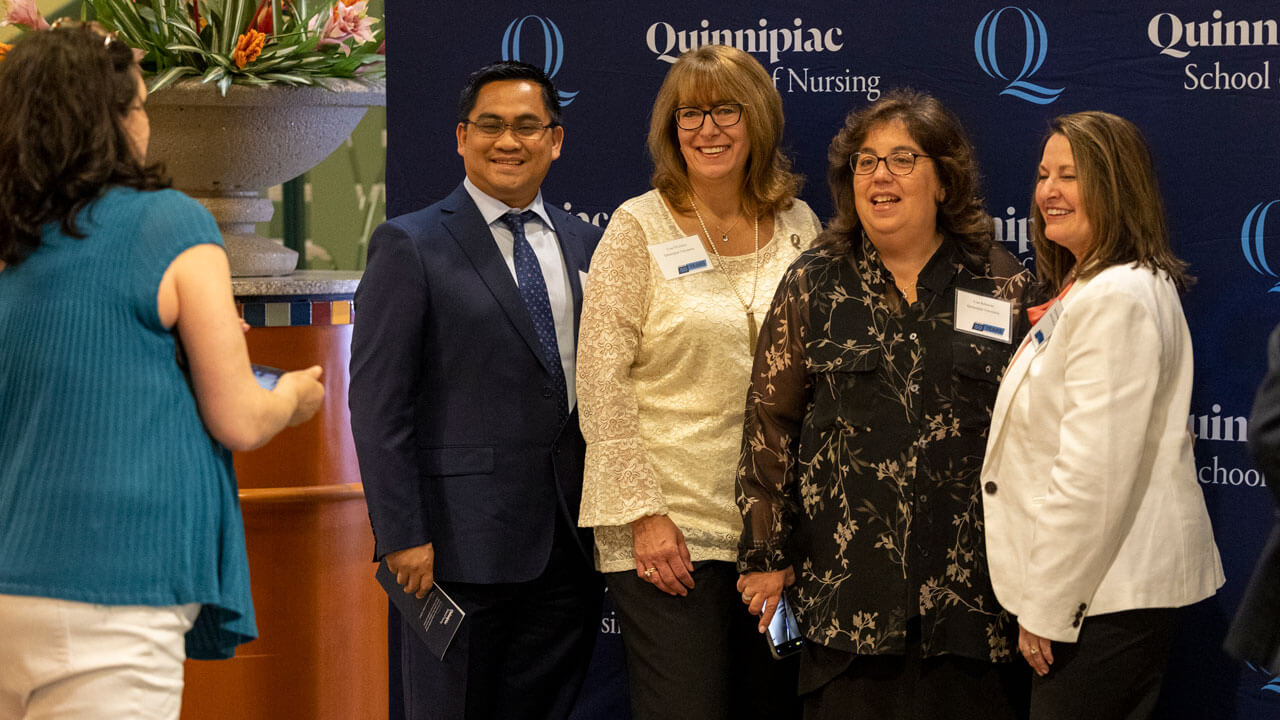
<point>523,129</point>
<point>723,115</point>
<point>899,162</point>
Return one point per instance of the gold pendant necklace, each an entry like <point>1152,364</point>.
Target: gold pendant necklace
<point>753,329</point>
<point>907,290</point>
<point>724,234</point>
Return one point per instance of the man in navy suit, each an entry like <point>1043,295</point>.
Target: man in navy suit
<point>463,412</point>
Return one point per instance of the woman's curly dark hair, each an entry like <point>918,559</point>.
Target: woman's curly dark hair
<point>941,136</point>
<point>62,142</point>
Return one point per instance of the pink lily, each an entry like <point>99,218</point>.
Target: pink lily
<point>346,20</point>
<point>25,13</point>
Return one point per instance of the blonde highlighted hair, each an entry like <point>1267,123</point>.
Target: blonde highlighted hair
<point>721,74</point>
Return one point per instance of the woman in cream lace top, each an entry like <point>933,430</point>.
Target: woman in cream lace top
<point>681,278</point>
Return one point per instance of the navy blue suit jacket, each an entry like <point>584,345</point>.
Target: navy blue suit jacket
<point>453,409</point>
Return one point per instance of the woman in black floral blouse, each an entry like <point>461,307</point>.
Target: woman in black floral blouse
<point>872,389</point>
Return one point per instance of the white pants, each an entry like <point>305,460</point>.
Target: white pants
<point>61,659</point>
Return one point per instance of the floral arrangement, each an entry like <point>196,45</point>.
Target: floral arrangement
<point>251,42</point>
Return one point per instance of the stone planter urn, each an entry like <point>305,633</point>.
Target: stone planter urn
<point>224,151</point>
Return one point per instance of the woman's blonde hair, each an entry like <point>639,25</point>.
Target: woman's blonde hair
<point>713,74</point>
<point>1121,199</point>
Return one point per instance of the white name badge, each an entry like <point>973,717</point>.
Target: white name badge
<point>1041,331</point>
<point>984,316</point>
<point>677,258</point>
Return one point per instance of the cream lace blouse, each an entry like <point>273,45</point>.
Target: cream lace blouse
<point>663,370</point>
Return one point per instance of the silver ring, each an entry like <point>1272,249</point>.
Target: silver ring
<point>1034,651</point>
<point>650,572</point>
<point>747,598</point>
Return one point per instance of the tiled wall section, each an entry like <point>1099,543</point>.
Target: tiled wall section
<point>268,312</point>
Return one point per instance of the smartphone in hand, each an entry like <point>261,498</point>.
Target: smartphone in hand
<point>784,634</point>
<point>266,375</point>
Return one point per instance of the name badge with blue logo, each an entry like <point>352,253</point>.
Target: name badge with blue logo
<point>677,258</point>
<point>1041,331</point>
<point>984,316</point>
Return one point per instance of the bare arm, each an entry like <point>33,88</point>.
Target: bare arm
<point>195,294</point>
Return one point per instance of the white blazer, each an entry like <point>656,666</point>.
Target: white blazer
<point>1089,487</point>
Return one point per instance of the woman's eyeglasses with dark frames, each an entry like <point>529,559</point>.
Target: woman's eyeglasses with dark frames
<point>723,115</point>
<point>900,162</point>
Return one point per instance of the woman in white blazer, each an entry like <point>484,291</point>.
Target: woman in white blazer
<point>1096,527</point>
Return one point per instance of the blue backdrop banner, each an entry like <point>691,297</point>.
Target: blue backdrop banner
<point>1201,80</point>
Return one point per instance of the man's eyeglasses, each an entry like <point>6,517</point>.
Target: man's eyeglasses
<point>901,162</point>
<point>523,129</point>
<point>725,115</point>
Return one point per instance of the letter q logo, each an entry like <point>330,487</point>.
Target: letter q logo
<point>552,48</point>
<point>1253,240</point>
<point>1036,47</point>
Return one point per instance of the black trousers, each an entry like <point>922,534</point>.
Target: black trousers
<point>699,657</point>
<point>521,652</point>
<point>911,687</point>
<point>1112,672</point>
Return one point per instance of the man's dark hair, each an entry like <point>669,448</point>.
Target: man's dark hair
<point>508,70</point>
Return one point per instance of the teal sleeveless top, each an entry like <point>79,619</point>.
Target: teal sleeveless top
<point>111,490</point>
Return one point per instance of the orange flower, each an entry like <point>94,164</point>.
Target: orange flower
<point>248,48</point>
<point>262,21</point>
<point>4,49</point>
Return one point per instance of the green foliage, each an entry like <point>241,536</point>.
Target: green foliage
<point>184,38</point>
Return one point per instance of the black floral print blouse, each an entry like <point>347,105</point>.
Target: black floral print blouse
<point>866,425</point>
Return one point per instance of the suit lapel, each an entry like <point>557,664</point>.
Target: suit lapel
<point>1017,374</point>
<point>1013,378</point>
<point>468,228</point>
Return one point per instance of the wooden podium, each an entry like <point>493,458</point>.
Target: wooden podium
<point>321,652</point>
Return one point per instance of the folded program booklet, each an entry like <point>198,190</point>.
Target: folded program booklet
<point>435,618</point>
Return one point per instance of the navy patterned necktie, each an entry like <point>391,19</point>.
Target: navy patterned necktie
<point>533,289</point>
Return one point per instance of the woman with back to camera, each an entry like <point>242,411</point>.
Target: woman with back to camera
<point>871,394</point>
<point>1096,525</point>
<point>662,368</point>
<point>123,550</point>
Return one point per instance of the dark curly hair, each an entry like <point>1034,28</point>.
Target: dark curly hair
<point>62,139</point>
<point>938,132</point>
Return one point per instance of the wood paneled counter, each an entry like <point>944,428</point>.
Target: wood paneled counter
<point>321,652</point>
